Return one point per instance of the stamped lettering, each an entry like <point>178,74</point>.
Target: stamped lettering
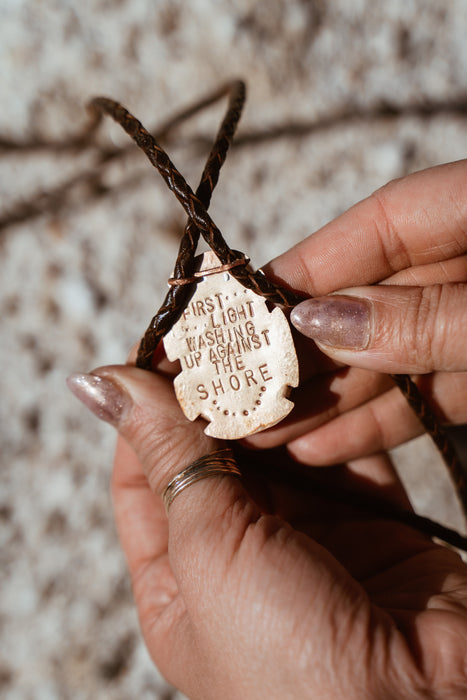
<point>237,358</point>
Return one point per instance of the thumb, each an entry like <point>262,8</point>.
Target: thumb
<point>143,408</point>
<point>390,329</point>
<point>209,520</point>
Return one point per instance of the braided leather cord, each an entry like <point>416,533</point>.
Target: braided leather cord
<point>193,206</point>
<point>437,433</point>
<point>200,222</point>
<point>178,295</point>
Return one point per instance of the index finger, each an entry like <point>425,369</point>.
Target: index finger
<point>416,220</point>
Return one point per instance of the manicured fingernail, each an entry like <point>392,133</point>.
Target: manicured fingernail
<point>338,321</point>
<point>102,396</point>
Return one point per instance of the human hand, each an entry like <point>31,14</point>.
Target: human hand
<point>289,594</point>
<point>409,240</point>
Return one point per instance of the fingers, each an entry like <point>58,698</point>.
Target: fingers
<point>354,411</point>
<point>143,531</point>
<point>415,221</point>
<point>390,329</point>
<point>444,272</point>
<point>319,401</point>
<point>378,425</point>
<point>381,423</point>
<point>357,415</point>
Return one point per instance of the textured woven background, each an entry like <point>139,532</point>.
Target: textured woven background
<point>79,282</point>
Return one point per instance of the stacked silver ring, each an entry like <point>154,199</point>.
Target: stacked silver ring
<point>220,462</point>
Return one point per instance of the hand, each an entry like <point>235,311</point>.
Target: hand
<point>408,240</point>
<point>287,593</point>
<point>299,598</point>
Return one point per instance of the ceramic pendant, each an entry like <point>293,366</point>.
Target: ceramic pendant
<point>238,358</point>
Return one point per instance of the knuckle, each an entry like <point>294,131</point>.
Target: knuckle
<point>420,329</point>
<point>430,337</point>
<point>393,248</point>
<point>451,316</point>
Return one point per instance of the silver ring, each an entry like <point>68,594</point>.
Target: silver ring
<point>220,462</point>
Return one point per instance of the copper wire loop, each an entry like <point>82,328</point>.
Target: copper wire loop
<point>174,281</point>
<point>220,462</point>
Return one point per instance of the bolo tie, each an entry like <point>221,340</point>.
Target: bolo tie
<point>216,300</point>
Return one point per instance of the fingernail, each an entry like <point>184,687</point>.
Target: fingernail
<point>338,321</point>
<point>102,396</point>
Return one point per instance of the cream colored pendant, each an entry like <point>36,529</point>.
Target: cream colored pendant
<point>238,358</point>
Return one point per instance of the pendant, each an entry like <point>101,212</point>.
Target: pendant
<point>238,360</point>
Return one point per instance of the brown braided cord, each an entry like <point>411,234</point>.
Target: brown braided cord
<point>199,221</point>
<point>438,434</point>
<point>193,206</point>
<point>177,296</point>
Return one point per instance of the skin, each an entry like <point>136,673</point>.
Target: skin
<point>264,587</point>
